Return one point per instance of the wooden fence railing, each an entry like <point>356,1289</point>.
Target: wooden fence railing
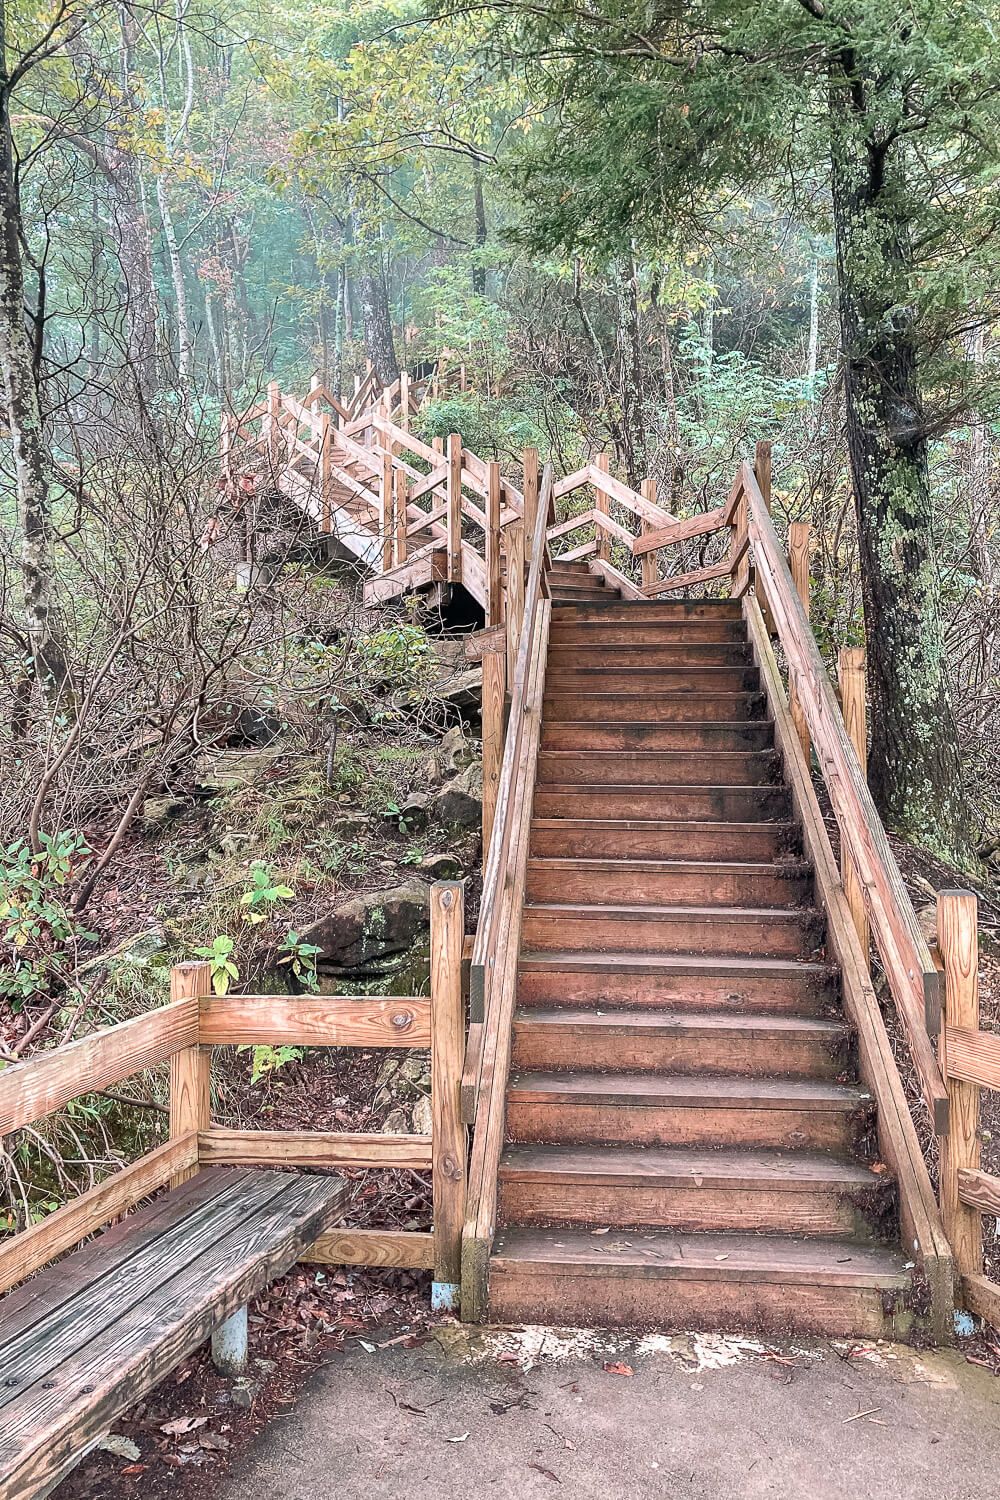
<point>970,1061</point>
<point>183,1033</point>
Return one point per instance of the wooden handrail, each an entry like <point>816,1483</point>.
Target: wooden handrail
<point>910,972</point>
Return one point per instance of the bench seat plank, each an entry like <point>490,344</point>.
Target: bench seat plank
<point>73,1360</point>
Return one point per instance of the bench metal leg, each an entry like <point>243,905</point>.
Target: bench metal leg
<point>229,1344</point>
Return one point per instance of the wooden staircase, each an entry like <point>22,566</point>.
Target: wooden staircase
<point>687,1143</point>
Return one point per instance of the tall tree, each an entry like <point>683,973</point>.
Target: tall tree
<point>656,114</point>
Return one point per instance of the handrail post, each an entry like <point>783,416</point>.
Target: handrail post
<point>325,468</point>
<point>602,505</point>
<point>530,489</point>
<point>404,400</point>
<point>514,536</point>
<point>272,421</point>
<point>191,1068</point>
<point>648,563</point>
<point>225,446</point>
<point>798,564</point>
<point>494,601</point>
<point>454,508</point>
<point>494,698</point>
<point>401,516</point>
<point>385,505</point>
<point>449,1141</point>
<point>762,473</point>
<point>851,672</point>
<point>958,942</point>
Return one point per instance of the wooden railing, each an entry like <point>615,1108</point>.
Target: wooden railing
<point>183,1033</point>
<point>493,984</point>
<point>970,1061</point>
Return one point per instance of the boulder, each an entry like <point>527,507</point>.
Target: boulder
<point>459,803</point>
<point>364,931</point>
<point>225,770</point>
<point>415,811</point>
<point>452,755</point>
<point>440,867</point>
<point>158,811</point>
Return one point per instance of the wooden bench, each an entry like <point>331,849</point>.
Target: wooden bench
<point>89,1336</point>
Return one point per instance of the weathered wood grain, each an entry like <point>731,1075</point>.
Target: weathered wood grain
<point>448,1023</point>
<point>396,1249</point>
<point>315,1021</point>
<point>313,1148</point>
<point>968,1057</point>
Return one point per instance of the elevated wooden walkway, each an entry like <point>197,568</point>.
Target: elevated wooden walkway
<point>684,1107</point>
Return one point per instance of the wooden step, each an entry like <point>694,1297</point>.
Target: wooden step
<point>591,633</point>
<point>685,1110</point>
<point>710,738</point>
<point>647,1279</point>
<point>653,611</point>
<point>673,882</point>
<point>673,1041</point>
<point>592,593</point>
<point>654,707</point>
<point>693,982</point>
<point>675,654</point>
<point>757,932</point>
<point>568,838</point>
<point>602,679</point>
<point>715,804</point>
<point>659,767</point>
<point>690,1190</point>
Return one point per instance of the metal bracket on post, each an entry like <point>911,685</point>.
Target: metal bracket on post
<point>230,1343</point>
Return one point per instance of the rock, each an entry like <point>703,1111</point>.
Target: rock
<point>226,770</point>
<point>416,810</point>
<point>368,928</point>
<point>348,825</point>
<point>462,691</point>
<point>440,867</point>
<point>158,811</point>
<point>422,1118</point>
<point>452,755</point>
<point>459,804</point>
<point>395,1122</point>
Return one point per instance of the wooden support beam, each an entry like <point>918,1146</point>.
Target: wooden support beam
<point>602,507</point>
<point>958,942</point>
<point>494,596</point>
<point>513,536</point>
<point>395,1248</point>
<point>190,1069</point>
<point>494,694</point>
<point>448,1179</point>
<point>851,672</point>
<point>404,400</point>
<point>386,505</point>
<point>399,518</point>
<point>650,568</point>
<point>798,565</point>
<point>980,1191</point>
<point>315,1020</point>
<point>762,473</point>
<point>530,488</point>
<point>313,1148</point>
<point>325,472</point>
<point>454,508</point>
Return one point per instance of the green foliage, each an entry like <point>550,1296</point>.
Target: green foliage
<point>300,958</point>
<point>264,894</point>
<point>222,968</point>
<point>268,1060</point>
<point>38,925</point>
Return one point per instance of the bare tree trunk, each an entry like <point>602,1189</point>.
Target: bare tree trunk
<point>185,339</point>
<point>374,294</point>
<point>479,205</point>
<point>24,417</point>
<point>812,356</point>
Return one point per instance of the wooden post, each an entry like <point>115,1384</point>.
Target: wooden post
<point>325,467</point>
<point>494,598</point>
<point>957,927</point>
<point>650,567</point>
<point>462,379</point>
<point>762,471</point>
<point>798,562</point>
<point>437,444</point>
<point>273,422</point>
<point>404,400</point>
<point>494,695</point>
<point>530,488</point>
<point>401,508</point>
<point>851,671</point>
<point>385,505</point>
<point>225,446</point>
<point>513,536</point>
<point>603,506</point>
<point>191,1068</point>
<point>448,1150</point>
<point>230,1344</point>
<point>454,508</point>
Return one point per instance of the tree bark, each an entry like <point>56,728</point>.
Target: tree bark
<point>914,765</point>
<point>24,418</point>
<point>479,206</point>
<point>373,293</point>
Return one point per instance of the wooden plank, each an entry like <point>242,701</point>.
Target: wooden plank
<point>493,699</point>
<point>571,482</point>
<point>587,550</point>
<point>968,1057</point>
<point>617,579</point>
<point>601,507</point>
<point>762,468</point>
<point>611,528</point>
<point>585,518</point>
<point>613,489</point>
<point>650,567</point>
<point>400,510</point>
<point>484,643</point>
<point>973,1055</point>
<point>494,598</point>
<point>529,470</point>
<point>33,1089</point>
<point>798,566</point>
<point>982,1297</point>
<point>454,508</point>
<point>313,1148</point>
<point>899,1147</point>
<point>979,1190</point>
<point>514,542</point>
<point>447,1048</point>
<point>427,483</point>
<point>680,531</point>
<point>386,522</point>
<point>315,1021</point>
<point>424,520</point>
<point>851,671</point>
<point>191,1069</point>
<point>25,1253</point>
<point>392,1248</point>
<point>688,580</point>
<point>119,1363</point>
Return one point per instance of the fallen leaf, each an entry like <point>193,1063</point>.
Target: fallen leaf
<point>617,1369</point>
<point>120,1446</point>
<point>182,1424</point>
<point>459,1439</point>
